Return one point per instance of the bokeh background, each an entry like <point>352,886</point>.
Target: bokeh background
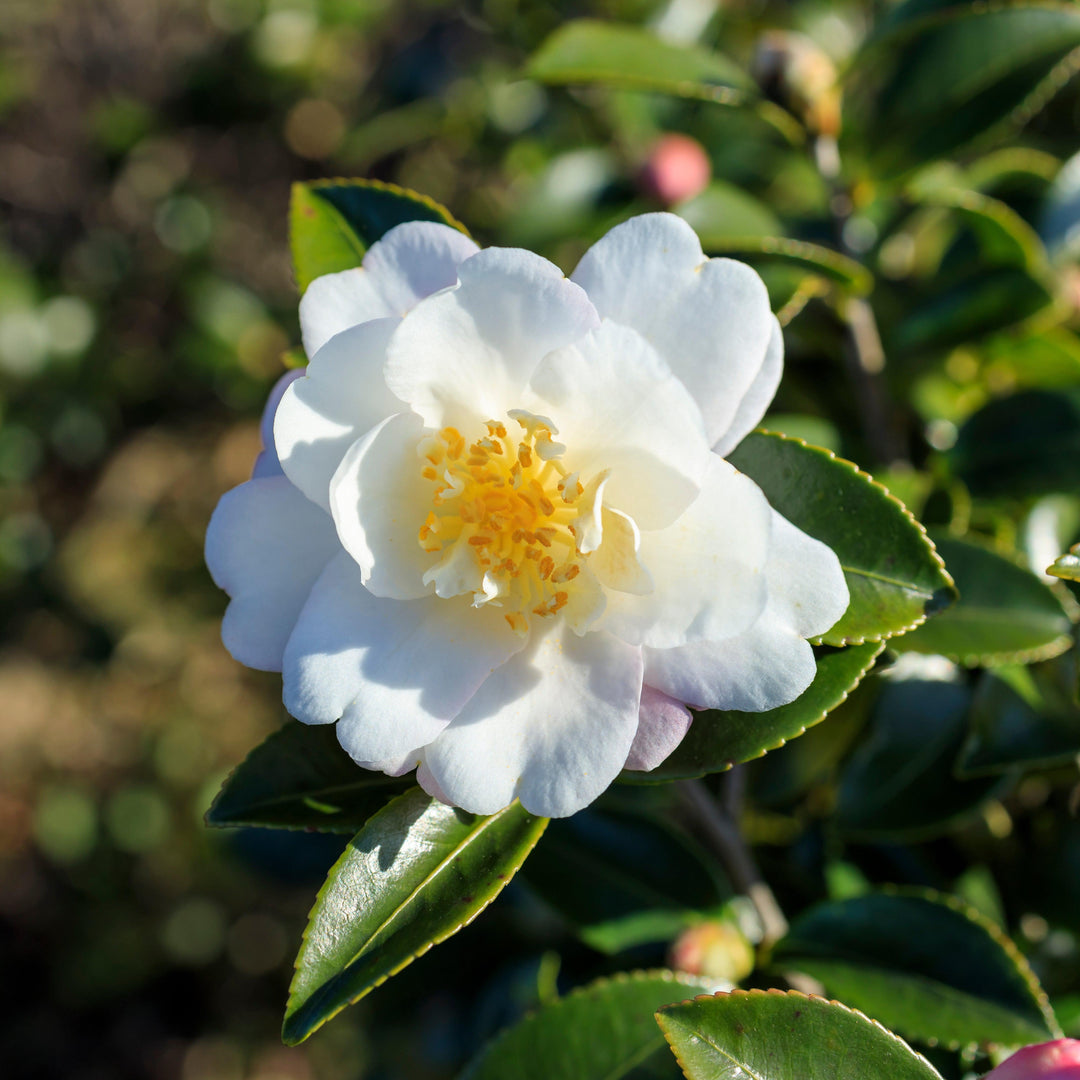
<point>147,149</point>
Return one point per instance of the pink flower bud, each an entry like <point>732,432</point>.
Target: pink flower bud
<point>677,169</point>
<point>1058,1060</point>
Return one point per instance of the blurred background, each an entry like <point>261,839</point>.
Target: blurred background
<point>147,149</point>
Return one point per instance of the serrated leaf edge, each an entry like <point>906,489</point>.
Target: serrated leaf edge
<point>619,978</point>
<point>950,584</point>
<point>799,996</point>
<point>999,937</point>
<point>389,188</point>
<point>542,822</point>
<point>1061,644</point>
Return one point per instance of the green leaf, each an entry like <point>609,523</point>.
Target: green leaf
<point>723,211</point>
<point>614,54</point>
<point>624,879</point>
<point>415,874</point>
<point>1004,237</point>
<point>1004,614</point>
<point>977,306</point>
<point>300,778</point>
<point>1067,566</point>
<point>1019,446</point>
<point>927,966</point>
<point>773,1035</point>
<point>601,1032</point>
<point>333,222</point>
<point>1023,717</point>
<point>972,67</point>
<point>717,739</point>
<point>588,50</point>
<point>899,781</point>
<point>822,261</point>
<point>895,577</point>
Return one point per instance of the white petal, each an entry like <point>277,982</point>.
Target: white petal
<point>765,667</point>
<point>265,546</point>
<point>805,580</point>
<point>615,562</point>
<point>395,766</point>
<point>769,664</point>
<point>707,568</point>
<point>618,406</point>
<point>267,463</point>
<point>662,724</point>
<point>758,398</point>
<point>552,727</point>
<point>708,318</point>
<point>342,396</point>
<point>379,501</point>
<point>410,262</point>
<point>395,672</point>
<point>464,356</point>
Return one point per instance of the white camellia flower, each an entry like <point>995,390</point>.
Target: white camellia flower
<point>493,536</point>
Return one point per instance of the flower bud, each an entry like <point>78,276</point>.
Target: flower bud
<point>677,169</point>
<point>1058,1060</point>
<point>716,949</point>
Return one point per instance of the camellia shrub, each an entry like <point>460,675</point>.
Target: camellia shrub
<point>556,589</point>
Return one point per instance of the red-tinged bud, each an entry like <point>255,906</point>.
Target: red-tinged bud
<point>1058,1060</point>
<point>715,949</point>
<point>677,169</point>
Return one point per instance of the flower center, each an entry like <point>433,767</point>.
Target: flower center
<point>503,517</point>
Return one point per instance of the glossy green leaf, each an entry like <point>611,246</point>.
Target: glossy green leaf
<point>927,966</point>
<point>415,874</point>
<point>624,879</point>
<point>1004,614</point>
<point>300,778</point>
<point>773,1035</point>
<point>971,67</point>
<point>822,261</point>
<point>718,739</point>
<point>603,1031</point>
<point>1023,717</point>
<point>1023,445</point>
<point>333,222</point>
<point>614,54</point>
<point>899,781</point>
<point>1067,566</point>
<point>895,577</point>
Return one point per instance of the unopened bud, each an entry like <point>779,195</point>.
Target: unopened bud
<point>714,949</point>
<point>676,169</point>
<point>1058,1060</point>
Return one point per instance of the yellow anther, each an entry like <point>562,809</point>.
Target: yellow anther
<point>499,498</point>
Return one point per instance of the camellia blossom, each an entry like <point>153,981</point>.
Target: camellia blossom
<point>493,535</point>
<point>1057,1060</point>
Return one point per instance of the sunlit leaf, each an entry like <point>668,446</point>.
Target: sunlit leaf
<point>415,874</point>
<point>604,1031</point>
<point>773,1035</point>
<point>927,966</point>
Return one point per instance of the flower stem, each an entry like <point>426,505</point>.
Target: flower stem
<point>717,827</point>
